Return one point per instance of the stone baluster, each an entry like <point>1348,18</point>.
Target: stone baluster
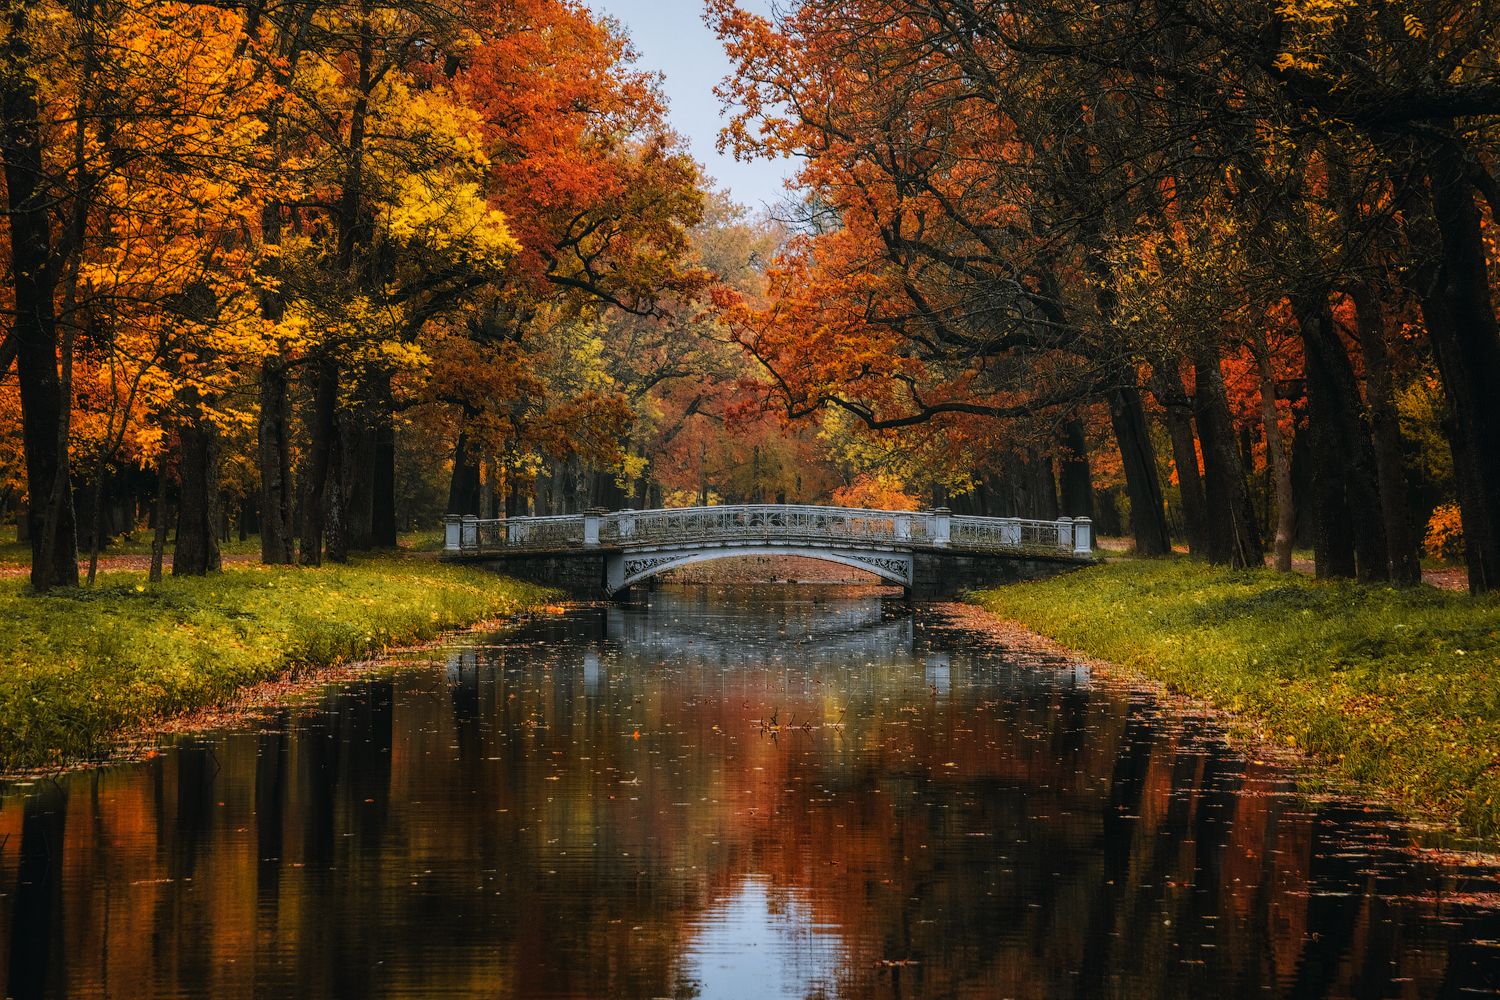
<point>591,521</point>
<point>941,524</point>
<point>1010,533</point>
<point>1083,537</point>
<point>516,530</point>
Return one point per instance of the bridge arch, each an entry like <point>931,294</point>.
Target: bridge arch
<point>623,570</point>
<point>929,553</point>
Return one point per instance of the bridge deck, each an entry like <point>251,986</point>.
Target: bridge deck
<point>767,524</point>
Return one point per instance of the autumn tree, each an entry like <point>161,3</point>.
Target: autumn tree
<point>995,182</point>
<point>601,199</point>
<point>139,106</point>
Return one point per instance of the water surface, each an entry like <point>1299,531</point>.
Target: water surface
<point>745,792</point>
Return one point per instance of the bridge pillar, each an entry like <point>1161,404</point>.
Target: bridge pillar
<point>1010,532</point>
<point>1083,537</point>
<point>591,521</point>
<point>942,525</point>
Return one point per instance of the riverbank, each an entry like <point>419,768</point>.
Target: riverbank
<point>1390,688</point>
<point>79,669</point>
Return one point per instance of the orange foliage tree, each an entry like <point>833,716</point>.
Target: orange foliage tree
<point>1017,211</point>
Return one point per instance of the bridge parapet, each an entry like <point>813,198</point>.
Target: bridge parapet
<point>767,523</point>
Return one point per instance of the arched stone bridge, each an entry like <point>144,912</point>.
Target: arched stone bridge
<point>932,554</point>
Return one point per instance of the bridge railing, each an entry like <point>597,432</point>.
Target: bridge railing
<point>761,521</point>
<point>991,533</point>
<point>764,522</point>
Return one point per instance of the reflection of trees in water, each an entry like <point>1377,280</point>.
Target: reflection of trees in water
<point>37,891</point>
<point>497,828</point>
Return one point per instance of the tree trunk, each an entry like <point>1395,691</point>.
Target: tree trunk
<point>336,502</point>
<point>1000,499</point>
<point>640,490</point>
<point>357,478</point>
<point>1404,566</point>
<point>248,523</point>
<point>1303,494</point>
<point>1043,487</point>
<point>328,493</point>
<point>1166,386</point>
<point>1077,479</point>
<point>1148,518</point>
<point>1277,458</point>
<point>464,487</point>
<point>573,503</point>
<point>487,490</point>
<point>1107,518</point>
<point>383,499</point>
<point>1461,322</point>
<point>159,516</point>
<point>33,271</point>
<point>703,474</point>
<point>96,518</point>
<point>198,513</point>
<point>275,461</point>
<point>1350,539</point>
<point>322,433</point>
<point>1232,533</point>
<point>541,490</point>
<point>606,491</point>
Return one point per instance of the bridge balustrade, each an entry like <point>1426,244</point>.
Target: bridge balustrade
<point>729,524</point>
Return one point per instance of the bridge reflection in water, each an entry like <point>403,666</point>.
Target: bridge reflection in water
<point>930,553</point>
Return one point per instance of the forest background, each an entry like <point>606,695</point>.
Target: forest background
<point>320,272</point>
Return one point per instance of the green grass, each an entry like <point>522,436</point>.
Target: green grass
<point>79,668</point>
<point>1396,689</point>
<point>138,543</point>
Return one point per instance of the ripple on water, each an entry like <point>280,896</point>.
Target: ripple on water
<point>742,792</point>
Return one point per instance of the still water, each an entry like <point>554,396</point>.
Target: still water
<point>748,792</point>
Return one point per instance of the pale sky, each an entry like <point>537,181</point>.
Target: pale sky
<point>671,38</point>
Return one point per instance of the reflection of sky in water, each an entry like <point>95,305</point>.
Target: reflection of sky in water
<point>762,942</point>
<point>939,673</point>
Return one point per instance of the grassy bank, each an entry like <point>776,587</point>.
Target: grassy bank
<point>1397,689</point>
<point>78,668</point>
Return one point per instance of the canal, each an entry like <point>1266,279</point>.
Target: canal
<point>726,792</point>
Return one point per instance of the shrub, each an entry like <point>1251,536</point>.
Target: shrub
<point>1445,534</point>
